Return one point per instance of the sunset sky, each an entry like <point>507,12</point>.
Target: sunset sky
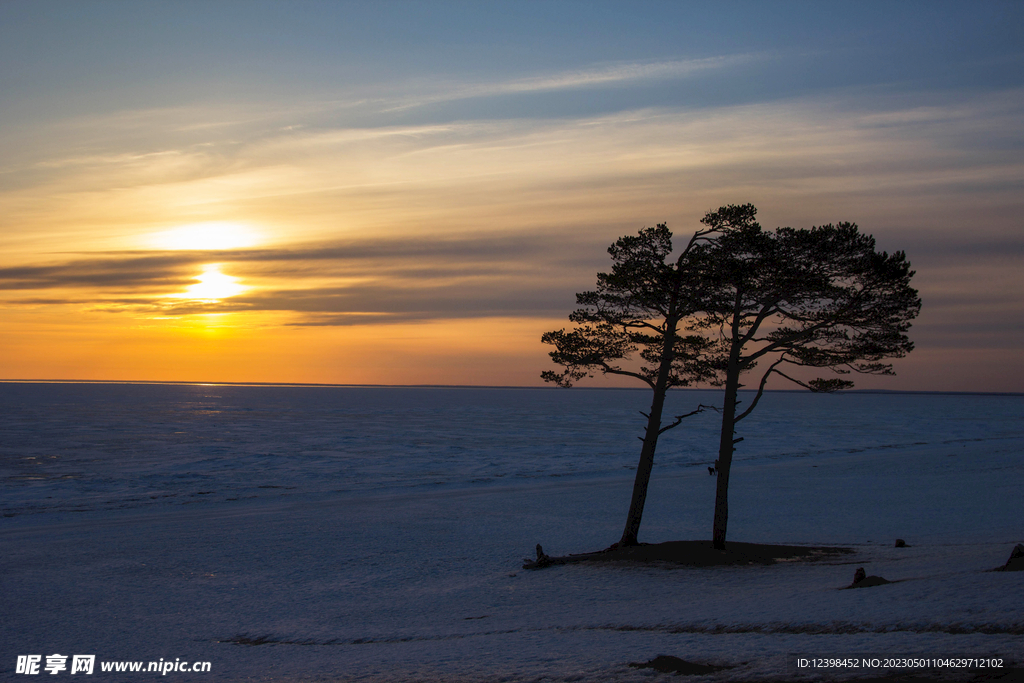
<point>412,192</point>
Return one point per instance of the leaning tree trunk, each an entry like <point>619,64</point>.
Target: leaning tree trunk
<point>643,469</point>
<point>726,446</point>
<point>646,464</point>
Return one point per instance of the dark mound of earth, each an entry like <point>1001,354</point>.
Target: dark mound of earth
<point>697,554</point>
<point>674,665</point>
<point>869,582</point>
<point>1016,561</point>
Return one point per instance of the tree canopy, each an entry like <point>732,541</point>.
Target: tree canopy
<point>735,298</point>
<point>819,298</point>
<point>636,309</point>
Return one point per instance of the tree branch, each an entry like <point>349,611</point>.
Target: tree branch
<point>642,323</point>
<point>760,389</point>
<point>679,418</point>
<point>636,375</point>
<point>785,344</point>
<point>820,386</point>
<point>698,236</point>
<point>766,311</point>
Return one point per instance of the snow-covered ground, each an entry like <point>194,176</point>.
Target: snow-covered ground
<point>377,534</point>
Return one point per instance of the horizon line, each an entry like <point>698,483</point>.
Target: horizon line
<point>480,386</point>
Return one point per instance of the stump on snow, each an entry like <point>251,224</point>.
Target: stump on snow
<point>541,561</point>
<point>862,580</point>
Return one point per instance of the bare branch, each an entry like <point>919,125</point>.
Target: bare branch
<point>766,312</point>
<point>793,379</point>
<point>789,342</point>
<point>699,236</point>
<point>616,371</point>
<point>642,323</point>
<point>760,389</point>
<point>679,418</point>
<point>820,386</point>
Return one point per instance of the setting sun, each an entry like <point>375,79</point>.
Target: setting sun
<point>212,285</point>
<point>398,180</point>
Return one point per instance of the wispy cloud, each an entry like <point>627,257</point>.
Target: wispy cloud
<point>103,272</point>
<point>617,74</point>
<point>510,217</point>
<point>384,279</point>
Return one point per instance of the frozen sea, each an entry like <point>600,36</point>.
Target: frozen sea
<point>377,533</point>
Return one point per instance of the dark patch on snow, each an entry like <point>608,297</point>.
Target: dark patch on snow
<point>862,580</point>
<point>249,640</point>
<point>697,554</point>
<point>674,665</point>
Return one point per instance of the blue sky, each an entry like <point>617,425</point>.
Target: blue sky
<point>92,55</point>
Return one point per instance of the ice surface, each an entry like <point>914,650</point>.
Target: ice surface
<point>332,534</point>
